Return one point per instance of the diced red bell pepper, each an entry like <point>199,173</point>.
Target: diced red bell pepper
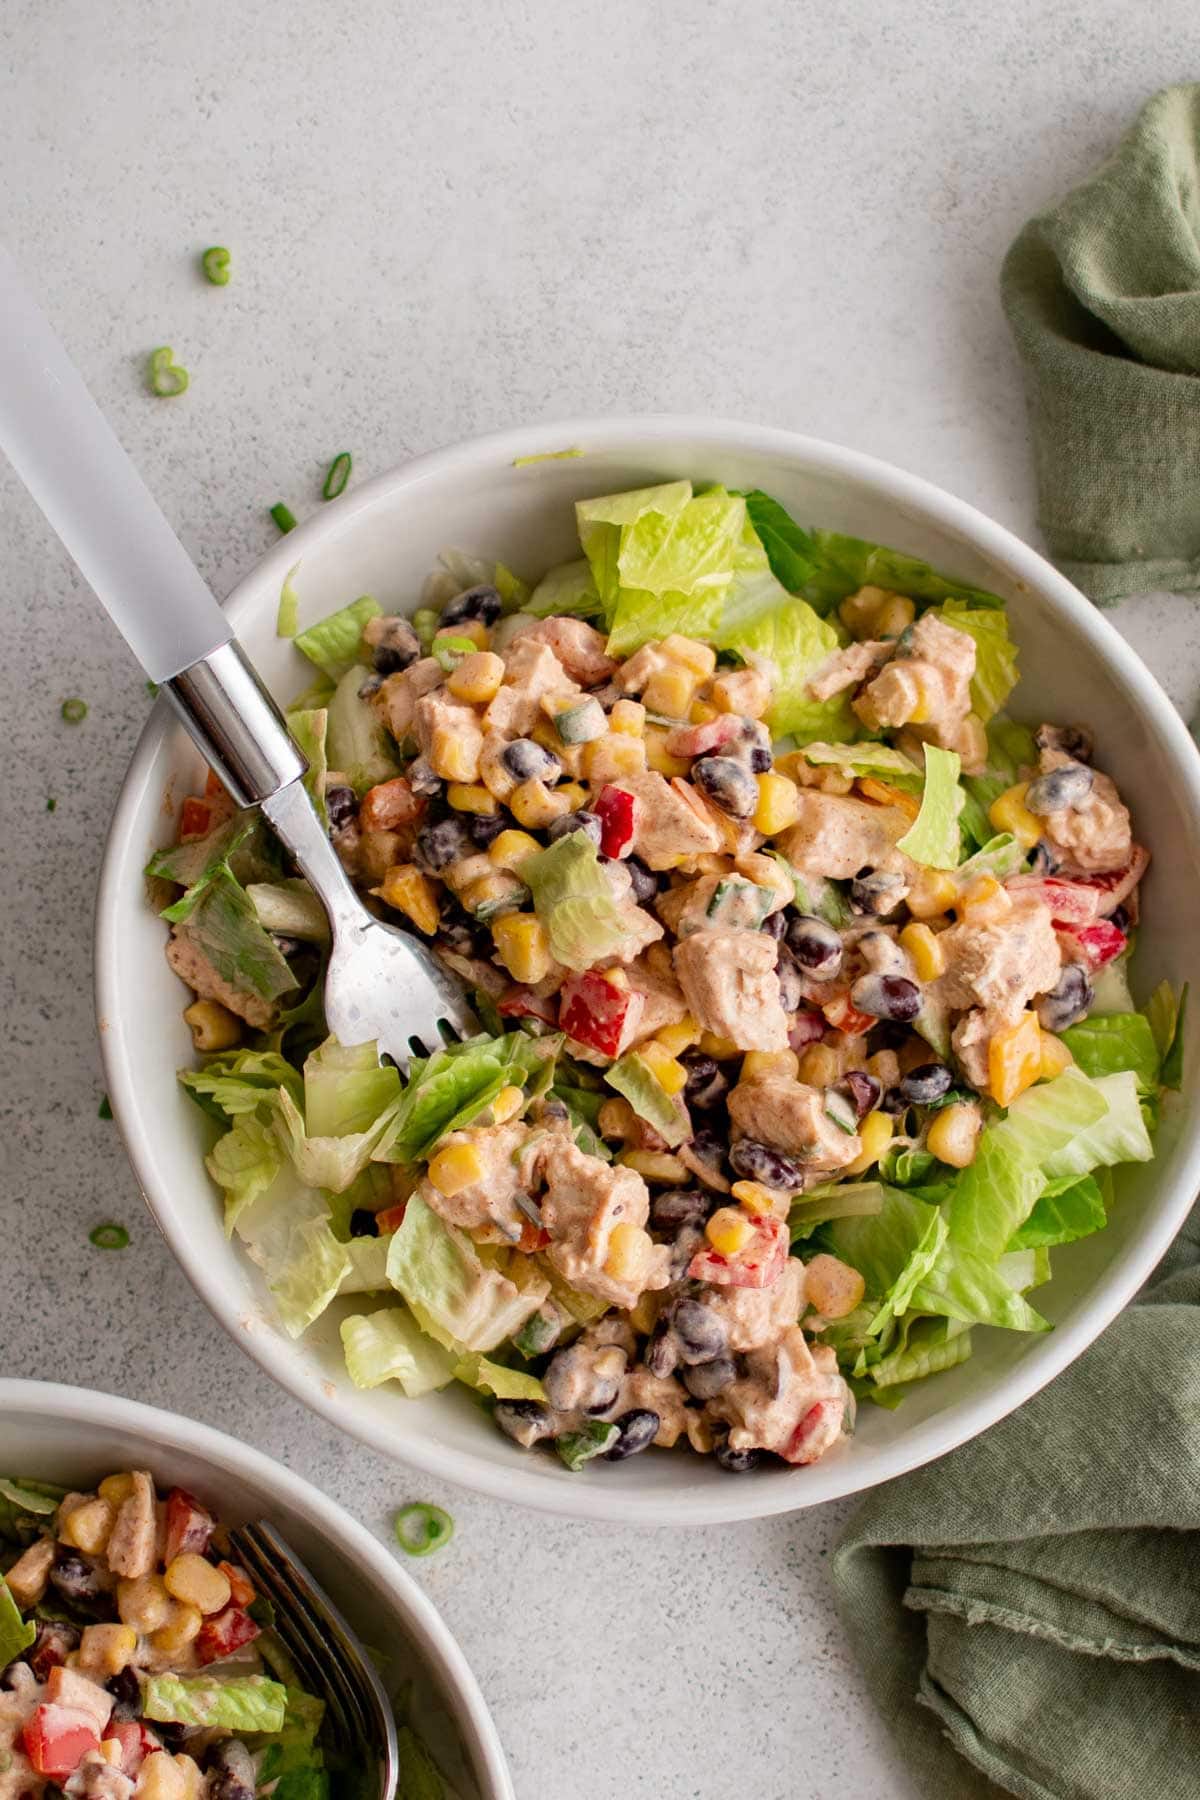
<point>1068,902</point>
<point>844,1017</point>
<point>523,1003</point>
<point>1115,885</point>
<point>817,1430</point>
<point>387,1221</point>
<point>759,1265</point>
<point>699,740</point>
<point>224,1632</point>
<point>594,1010</point>
<point>616,810</point>
<point>533,1237</point>
<point>808,1027</point>
<point>136,1743</point>
<point>57,1738</point>
<point>1095,944</point>
<point>390,805</point>
<point>241,1589</point>
<point>194,819</point>
<point>189,1525</point>
<point>214,787</point>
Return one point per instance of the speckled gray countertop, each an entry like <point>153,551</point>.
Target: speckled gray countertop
<point>444,219</point>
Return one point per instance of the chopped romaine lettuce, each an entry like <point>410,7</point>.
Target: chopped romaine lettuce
<point>309,726</point>
<point>291,908</point>
<point>1000,856</point>
<point>603,521</point>
<point>388,1345</point>
<point>1068,1209</point>
<point>636,1080</point>
<point>453,1294</point>
<point>346,1088</point>
<point>244,1163</point>
<point>367,1273</point>
<point>867,758</point>
<point>583,1108</point>
<point>927,1346</point>
<point>639,616</point>
<point>452,1088</point>
<point>334,643</point>
<point>933,837</point>
<point>495,1379</point>
<point>1106,1043</point>
<point>833,1200</point>
<point>1118,1136</point>
<point>287,619</point>
<point>1167,1016</point>
<point>1010,750</point>
<point>574,901</point>
<point>238,1081</point>
<point>309,1276</point>
<point>975,1290</point>
<point>995,674</point>
<point>688,551</point>
<point>15,1634</point>
<point>568,589</point>
<point>357,743</point>
<point>222,925</point>
<point>333,1162</point>
<point>235,1703</point>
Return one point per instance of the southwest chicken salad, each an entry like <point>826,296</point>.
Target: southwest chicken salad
<point>802,967</point>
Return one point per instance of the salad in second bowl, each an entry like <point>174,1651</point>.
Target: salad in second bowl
<point>803,969</point>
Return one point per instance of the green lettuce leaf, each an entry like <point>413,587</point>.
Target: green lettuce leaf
<point>933,837</point>
<point>346,1088</point>
<point>928,1346</point>
<point>291,908</point>
<point>973,1289</point>
<point>461,1301</point>
<point>568,589</point>
<point>639,616</point>
<point>310,726</point>
<point>636,1080</point>
<point>1106,1043</point>
<point>309,1276</point>
<point>367,1273</point>
<point>238,1081</point>
<point>603,521</point>
<point>790,550</point>
<point>1000,856</point>
<point>357,742</point>
<point>1119,1136</point>
<point>234,1703</point>
<point>15,1635</point>
<point>583,1108</point>
<point>1067,1210</point>
<point>244,1163</point>
<point>887,1246</point>
<point>833,1200</point>
<point>222,924</point>
<point>293,1753</point>
<point>687,551</point>
<point>388,1345</point>
<point>1166,1016</point>
<point>334,643</point>
<point>1010,749</point>
<point>419,1777</point>
<point>333,1162</point>
<point>452,1088</point>
<point>495,1379</point>
<point>867,758</point>
<point>574,901</point>
<point>995,674</point>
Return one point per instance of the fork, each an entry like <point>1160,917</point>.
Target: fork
<point>381,983</point>
<point>332,1659</point>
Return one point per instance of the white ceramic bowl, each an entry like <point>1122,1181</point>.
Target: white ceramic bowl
<point>73,1436</point>
<point>382,539</point>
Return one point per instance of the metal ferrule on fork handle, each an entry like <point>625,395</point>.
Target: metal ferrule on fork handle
<point>236,724</point>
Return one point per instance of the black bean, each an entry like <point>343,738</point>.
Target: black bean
<point>815,945</point>
<point>707,1084</point>
<point>645,882</point>
<point>1068,1001</point>
<point>864,1090</point>
<point>525,1421</point>
<point>341,803</point>
<point>1120,918</point>
<point>736,1462</point>
<point>758,1162</point>
<point>462,939</point>
<point>661,1355</point>
<point>727,783</point>
<point>638,1430</point>
<point>75,1580</point>
<point>362,1223</point>
<point>893,1103</point>
<point>760,760</point>
<point>688,1239</point>
<point>443,843</point>
<point>527,761</point>
<point>52,1645</point>
<point>482,602</point>
<point>572,1380</point>
<point>1059,789</point>
<point>704,1381</point>
<point>485,828</point>
<point>699,1331</point>
<point>923,1085</point>
<point>791,981</point>
<point>232,1765</point>
<point>708,1147</point>
<point>775,924</point>
<point>1043,860</point>
<point>421,778</point>
<point>174,1735</point>
<point>126,1691</point>
<point>587,822</point>
<point>1074,741</point>
<point>876,891</point>
<point>396,646</point>
<point>886,997</point>
<point>673,1207</point>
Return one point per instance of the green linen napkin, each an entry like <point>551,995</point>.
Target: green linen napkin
<point>1038,1590</point>
<point>1102,292</point>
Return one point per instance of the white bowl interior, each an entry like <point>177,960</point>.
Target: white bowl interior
<point>382,540</point>
<point>68,1435</point>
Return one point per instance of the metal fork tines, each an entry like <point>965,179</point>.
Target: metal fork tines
<point>330,1656</point>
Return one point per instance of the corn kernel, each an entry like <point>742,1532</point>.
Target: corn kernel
<point>700,1434</point>
<point>953,1137</point>
<point>875,1134</point>
<point>681,1037</point>
<point>701,659</point>
<point>477,678</point>
<point>858,612</point>
<point>617,1119</point>
<point>472,797</point>
<point>720,1048</point>
<point>456,1167</point>
<point>492,891</point>
<point>167,1777</point>
<point>193,1580</point>
<point>574,794</point>
<point>507,1104</point>
<point>116,1488</point>
<point>656,1166</point>
<point>1014,1059</point>
<point>884,794</point>
<point>493,772</point>
<point>1009,813</point>
<point>88,1527</point>
<point>475,629</point>
<point>784,1063</point>
<point>628,1253</point>
<point>629,717</point>
<point>511,848</point>
<point>181,1626</point>
<point>933,892</point>
<point>409,891</point>
<point>213,1026</point>
<point>728,1231</point>
<point>983,901</point>
<point>922,710</point>
<point>523,946</point>
<point>659,758</point>
<point>925,948</point>
<point>107,1648</point>
<point>454,755</point>
<point>778,803</point>
<point>608,758</point>
<point>670,1075</point>
<point>820,1065</point>
<point>569,755</point>
<point>743,691</point>
<point>617,977</point>
<point>832,1286</point>
<point>701,713</point>
<point>536,805</point>
<point>757,1199</point>
<point>885,1067</point>
<point>894,616</point>
<point>1055,1057</point>
<point>111,1752</point>
<point>144,1603</point>
<point>670,691</point>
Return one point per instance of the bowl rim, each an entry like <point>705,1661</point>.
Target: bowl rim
<point>934,1436</point>
<point>170,1431</point>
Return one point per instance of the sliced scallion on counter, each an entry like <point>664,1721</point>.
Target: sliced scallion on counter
<point>421,1528</point>
<point>338,476</point>
<point>283,516</point>
<point>165,376</point>
<point>74,711</point>
<point>109,1237</point>
<point>215,263</point>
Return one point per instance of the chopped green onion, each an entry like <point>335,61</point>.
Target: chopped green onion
<point>215,263</point>
<point>338,476</point>
<point>425,622</point>
<point>152,689</point>
<point>109,1237</point>
<point>450,651</point>
<point>283,516</point>
<point>287,619</point>
<point>421,1529</point>
<point>74,711</point>
<point>165,377</point>
<point>51,804</point>
<point>106,1111</point>
<point>523,462</point>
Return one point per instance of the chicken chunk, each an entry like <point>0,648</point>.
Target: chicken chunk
<point>130,1549</point>
<point>769,1408</point>
<point>752,1317</point>
<point>639,931</point>
<point>578,646</point>
<point>491,1200</point>
<point>192,965</point>
<point>662,997</point>
<point>29,1574</point>
<point>660,1394</point>
<point>847,668</point>
<point>928,688</point>
<point>584,1200</point>
<point>1002,965</point>
<point>789,1115</point>
<point>397,698</point>
<point>731,987</point>
<point>1095,833</point>
<point>532,673</point>
<point>668,821</point>
<point>447,726</point>
<point>835,837</point>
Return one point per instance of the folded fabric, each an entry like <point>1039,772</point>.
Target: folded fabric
<point>1027,1610</point>
<point>1102,292</point>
